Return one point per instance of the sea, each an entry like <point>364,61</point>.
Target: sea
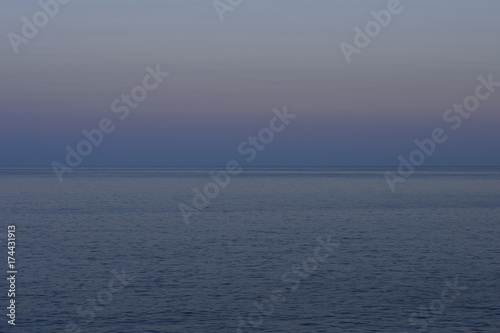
<point>292,250</point>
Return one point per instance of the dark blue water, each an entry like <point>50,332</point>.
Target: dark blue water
<point>107,250</point>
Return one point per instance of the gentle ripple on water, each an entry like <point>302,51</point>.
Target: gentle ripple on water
<point>395,254</point>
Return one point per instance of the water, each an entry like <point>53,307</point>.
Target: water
<point>395,255</point>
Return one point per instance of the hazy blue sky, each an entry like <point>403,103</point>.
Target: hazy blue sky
<point>226,77</point>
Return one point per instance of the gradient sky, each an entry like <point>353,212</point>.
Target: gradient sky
<point>226,77</point>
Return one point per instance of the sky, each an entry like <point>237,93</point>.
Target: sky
<point>226,76</point>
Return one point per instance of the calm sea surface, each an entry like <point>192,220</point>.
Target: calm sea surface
<point>107,250</point>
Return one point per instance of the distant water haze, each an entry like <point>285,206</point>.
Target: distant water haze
<point>305,166</point>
